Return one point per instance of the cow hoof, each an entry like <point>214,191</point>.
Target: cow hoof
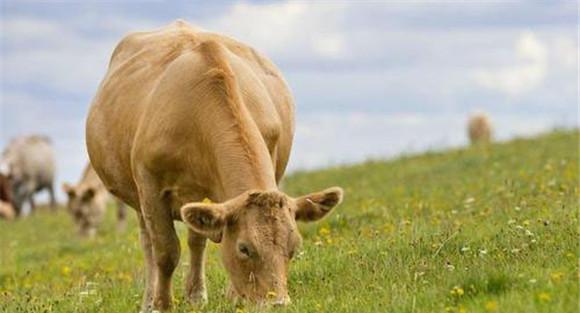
<point>198,297</point>
<point>147,305</point>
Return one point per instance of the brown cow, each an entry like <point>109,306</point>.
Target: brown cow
<point>183,115</point>
<point>479,129</point>
<point>87,203</point>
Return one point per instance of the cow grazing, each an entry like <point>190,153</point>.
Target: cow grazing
<point>183,115</point>
<point>87,203</point>
<point>479,129</point>
<point>29,163</point>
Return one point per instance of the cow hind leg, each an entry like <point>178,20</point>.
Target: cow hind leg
<point>32,203</point>
<point>159,223</point>
<point>19,199</point>
<point>121,216</point>
<point>52,197</point>
<point>17,204</point>
<point>195,281</point>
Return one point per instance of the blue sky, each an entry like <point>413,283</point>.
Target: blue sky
<point>370,79</point>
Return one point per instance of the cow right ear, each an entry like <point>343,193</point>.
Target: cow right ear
<point>316,205</point>
<point>68,189</point>
<point>207,219</point>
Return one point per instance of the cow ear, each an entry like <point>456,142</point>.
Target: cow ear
<point>68,189</point>
<point>207,219</point>
<point>315,206</point>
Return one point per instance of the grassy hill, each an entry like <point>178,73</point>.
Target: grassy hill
<point>473,230</point>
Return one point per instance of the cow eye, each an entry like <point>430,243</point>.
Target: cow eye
<point>245,250</point>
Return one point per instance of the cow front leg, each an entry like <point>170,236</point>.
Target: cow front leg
<point>159,223</point>
<point>147,303</point>
<point>195,281</point>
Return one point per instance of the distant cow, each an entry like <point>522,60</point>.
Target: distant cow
<point>28,162</point>
<point>87,203</point>
<point>479,128</point>
<point>6,208</point>
<point>184,115</point>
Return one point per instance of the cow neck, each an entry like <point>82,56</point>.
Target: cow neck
<point>243,170</point>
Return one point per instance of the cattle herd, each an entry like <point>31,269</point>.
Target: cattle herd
<point>27,166</point>
<point>184,116</point>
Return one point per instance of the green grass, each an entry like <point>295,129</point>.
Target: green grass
<point>472,230</point>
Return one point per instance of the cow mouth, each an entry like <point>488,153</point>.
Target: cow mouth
<point>269,300</point>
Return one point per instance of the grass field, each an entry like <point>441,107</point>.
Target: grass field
<point>470,230</point>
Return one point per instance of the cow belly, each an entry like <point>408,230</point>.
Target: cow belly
<point>109,155</point>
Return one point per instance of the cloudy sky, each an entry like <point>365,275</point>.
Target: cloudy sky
<point>370,79</point>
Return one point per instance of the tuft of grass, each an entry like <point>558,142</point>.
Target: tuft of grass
<point>480,229</point>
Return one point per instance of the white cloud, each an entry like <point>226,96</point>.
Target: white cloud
<point>57,53</point>
<point>528,72</point>
<point>68,56</point>
<point>331,46</point>
<point>530,49</point>
<point>286,29</point>
<point>564,52</point>
<point>49,53</point>
<point>26,30</point>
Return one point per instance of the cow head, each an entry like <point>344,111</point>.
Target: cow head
<point>259,237</point>
<point>84,206</point>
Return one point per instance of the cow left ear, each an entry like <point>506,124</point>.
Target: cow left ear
<point>68,189</point>
<point>315,206</point>
<point>207,219</point>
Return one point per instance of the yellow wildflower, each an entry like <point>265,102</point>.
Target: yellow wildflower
<point>457,291</point>
<point>544,297</point>
<point>388,228</point>
<point>491,306</point>
<point>66,270</point>
<point>556,276</point>
<point>324,231</point>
